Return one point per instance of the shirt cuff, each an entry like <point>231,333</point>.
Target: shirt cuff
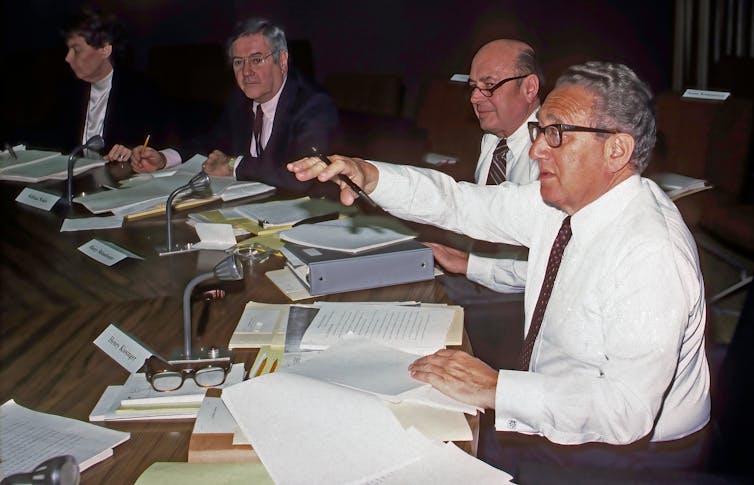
<point>497,274</point>
<point>238,162</point>
<point>172,157</point>
<point>519,401</point>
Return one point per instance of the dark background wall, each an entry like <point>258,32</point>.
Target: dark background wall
<point>419,39</point>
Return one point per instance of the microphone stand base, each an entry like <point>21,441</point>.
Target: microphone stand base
<point>176,249</point>
<point>202,355</point>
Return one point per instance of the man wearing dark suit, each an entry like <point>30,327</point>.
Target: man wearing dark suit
<point>277,117</point>
<point>108,101</point>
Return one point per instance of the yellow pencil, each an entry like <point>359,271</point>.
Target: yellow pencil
<point>261,367</point>
<point>146,142</point>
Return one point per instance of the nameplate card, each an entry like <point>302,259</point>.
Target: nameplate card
<point>37,198</point>
<point>705,94</point>
<point>460,78</point>
<point>122,348</point>
<point>106,252</point>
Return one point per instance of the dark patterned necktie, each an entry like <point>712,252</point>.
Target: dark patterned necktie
<point>497,167</point>
<point>553,264</point>
<point>258,129</point>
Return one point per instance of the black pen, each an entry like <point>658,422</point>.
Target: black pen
<point>11,151</point>
<point>324,217</point>
<point>359,191</point>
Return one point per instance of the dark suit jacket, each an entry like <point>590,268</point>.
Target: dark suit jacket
<point>133,110</point>
<point>305,116</point>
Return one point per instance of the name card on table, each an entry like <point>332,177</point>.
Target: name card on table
<point>106,252</point>
<point>37,198</point>
<point>706,94</point>
<point>122,348</point>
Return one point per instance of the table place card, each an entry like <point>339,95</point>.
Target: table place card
<point>122,348</point>
<point>37,198</point>
<point>106,252</point>
<point>706,94</point>
<point>460,78</point>
<point>214,236</point>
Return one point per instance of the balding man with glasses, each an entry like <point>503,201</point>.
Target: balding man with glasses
<point>276,116</point>
<point>504,82</point>
<point>613,359</point>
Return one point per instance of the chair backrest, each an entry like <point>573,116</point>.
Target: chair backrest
<point>450,123</point>
<point>704,139</point>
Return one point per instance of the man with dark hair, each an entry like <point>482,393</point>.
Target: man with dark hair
<point>107,102</point>
<point>615,311</point>
<point>276,116</point>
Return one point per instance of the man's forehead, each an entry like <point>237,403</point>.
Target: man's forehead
<point>75,39</point>
<point>570,104</point>
<point>250,44</point>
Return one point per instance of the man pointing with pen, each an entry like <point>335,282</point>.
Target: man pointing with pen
<point>613,360</point>
<point>276,116</point>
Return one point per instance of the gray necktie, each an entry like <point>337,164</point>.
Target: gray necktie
<point>497,167</point>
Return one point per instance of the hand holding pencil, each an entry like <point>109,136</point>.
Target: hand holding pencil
<point>356,177</point>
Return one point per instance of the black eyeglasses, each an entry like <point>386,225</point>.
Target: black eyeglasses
<point>487,92</point>
<point>169,376</point>
<point>554,133</point>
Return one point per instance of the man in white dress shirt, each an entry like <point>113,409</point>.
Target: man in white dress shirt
<point>615,309</point>
<point>504,84</point>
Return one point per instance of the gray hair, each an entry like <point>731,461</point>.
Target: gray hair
<point>527,63</point>
<point>623,102</point>
<point>273,34</point>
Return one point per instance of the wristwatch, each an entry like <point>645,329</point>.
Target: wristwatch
<point>232,164</point>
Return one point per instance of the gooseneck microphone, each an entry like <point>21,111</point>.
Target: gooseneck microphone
<point>95,143</point>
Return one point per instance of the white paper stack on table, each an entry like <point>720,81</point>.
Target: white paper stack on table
<point>266,324</point>
<point>137,400</point>
<point>676,185</point>
<point>38,165</point>
<point>309,431</point>
<point>28,438</point>
<point>353,235</point>
<point>144,193</point>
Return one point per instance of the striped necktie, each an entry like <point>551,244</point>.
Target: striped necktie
<point>497,167</point>
<point>258,118</point>
<point>553,264</point>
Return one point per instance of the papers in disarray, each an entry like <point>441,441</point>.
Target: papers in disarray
<point>39,165</point>
<point>352,235</point>
<point>354,438</point>
<point>288,212</point>
<point>28,438</point>
<point>363,364</point>
<point>142,193</point>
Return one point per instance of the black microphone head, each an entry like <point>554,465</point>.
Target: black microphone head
<point>95,143</point>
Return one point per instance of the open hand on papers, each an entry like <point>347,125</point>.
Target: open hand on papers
<point>458,375</point>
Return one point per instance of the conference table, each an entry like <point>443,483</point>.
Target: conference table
<point>54,301</point>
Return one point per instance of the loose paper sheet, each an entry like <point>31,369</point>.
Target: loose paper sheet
<point>28,438</point>
<point>349,434</point>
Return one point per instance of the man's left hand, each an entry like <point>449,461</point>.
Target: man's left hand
<point>458,375</point>
<point>217,164</point>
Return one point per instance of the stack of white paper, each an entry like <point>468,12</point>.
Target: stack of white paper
<point>38,165</point>
<point>352,235</point>
<point>307,431</point>
<point>28,438</point>
<point>416,329</point>
<point>137,400</point>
